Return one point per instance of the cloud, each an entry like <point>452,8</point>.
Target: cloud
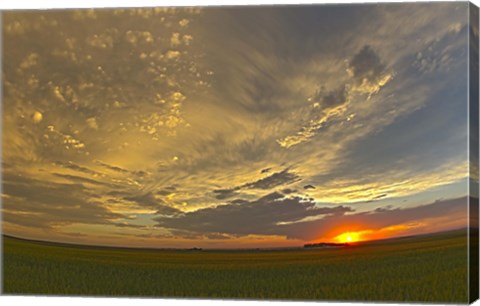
<point>92,123</point>
<point>389,184</point>
<point>167,191</point>
<point>110,167</point>
<point>262,216</point>
<point>145,200</point>
<point>380,196</point>
<point>366,65</point>
<point>354,113</point>
<point>154,203</point>
<point>288,191</point>
<point>80,179</point>
<point>284,177</point>
<point>367,76</point>
<point>328,99</point>
<point>297,218</point>
<point>33,203</point>
<point>165,210</point>
<point>73,166</point>
<point>128,225</point>
<point>221,194</point>
<point>37,117</point>
<point>438,56</point>
<point>436,216</point>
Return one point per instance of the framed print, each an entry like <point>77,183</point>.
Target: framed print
<point>323,152</point>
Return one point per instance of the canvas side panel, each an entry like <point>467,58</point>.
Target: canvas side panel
<point>473,154</point>
<point>1,151</point>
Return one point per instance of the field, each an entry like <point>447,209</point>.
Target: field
<point>429,268</point>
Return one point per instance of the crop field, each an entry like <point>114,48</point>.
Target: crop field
<point>429,268</point>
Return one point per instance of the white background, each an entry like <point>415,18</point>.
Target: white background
<point>73,301</point>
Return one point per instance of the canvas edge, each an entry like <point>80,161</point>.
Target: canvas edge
<point>473,154</point>
<point>1,151</point>
<point>473,158</point>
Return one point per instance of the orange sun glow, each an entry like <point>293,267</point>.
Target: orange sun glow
<point>348,237</point>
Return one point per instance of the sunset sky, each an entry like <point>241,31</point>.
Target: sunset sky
<point>235,127</point>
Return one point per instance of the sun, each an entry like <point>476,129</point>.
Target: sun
<point>348,237</point>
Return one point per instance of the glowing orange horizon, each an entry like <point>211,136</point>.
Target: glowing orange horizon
<point>348,237</point>
<point>356,234</point>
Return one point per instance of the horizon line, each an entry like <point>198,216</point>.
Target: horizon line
<point>194,248</point>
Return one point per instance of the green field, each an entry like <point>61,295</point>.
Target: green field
<point>425,268</point>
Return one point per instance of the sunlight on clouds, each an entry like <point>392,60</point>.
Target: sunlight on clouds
<point>367,77</point>
<point>128,209</point>
<point>388,185</point>
<point>311,130</point>
<point>373,88</point>
<point>92,123</point>
<point>37,117</point>
<point>147,114</point>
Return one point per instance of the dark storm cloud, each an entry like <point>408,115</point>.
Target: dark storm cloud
<point>145,200</point>
<point>110,167</point>
<point>128,225</point>
<point>332,98</point>
<point>139,174</point>
<point>119,193</point>
<point>277,215</point>
<point>261,215</point>
<point>380,196</point>
<point>222,194</point>
<point>165,210</point>
<point>276,179</point>
<point>366,64</point>
<point>167,191</point>
<point>34,203</point>
<point>383,209</point>
<point>148,200</point>
<point>288,191</point>
<point>163,192</point>
<point>73,166</point>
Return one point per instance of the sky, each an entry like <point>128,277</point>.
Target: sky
<point>231,127</point>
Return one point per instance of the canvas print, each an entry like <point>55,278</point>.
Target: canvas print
<point>300,152</point>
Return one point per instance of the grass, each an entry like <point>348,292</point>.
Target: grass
<point>418,269</point>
